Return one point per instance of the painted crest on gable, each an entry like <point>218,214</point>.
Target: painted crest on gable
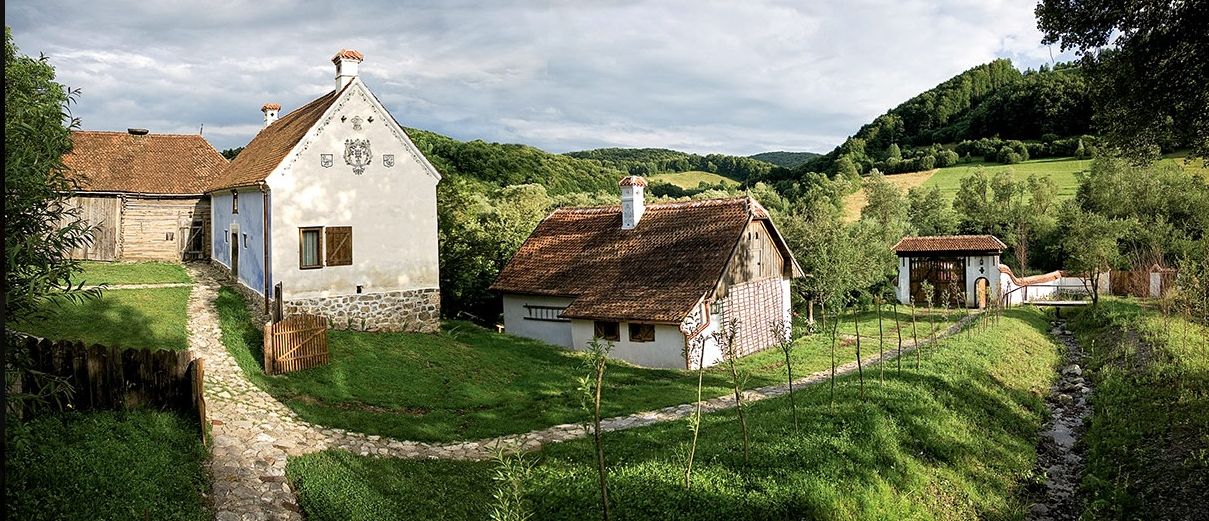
<point>388,160</point>
<point>358,154</point>
<point>325,160</point>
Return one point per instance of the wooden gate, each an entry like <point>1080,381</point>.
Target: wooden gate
<point>942,273</point>
<point>295,343</point>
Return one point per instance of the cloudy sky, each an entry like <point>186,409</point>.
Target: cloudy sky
<point>736,77</point>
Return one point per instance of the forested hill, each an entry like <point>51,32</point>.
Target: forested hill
<point>994,100</point>
<point>504,165</point>
<point>785,159</point>
<point>650,161</point>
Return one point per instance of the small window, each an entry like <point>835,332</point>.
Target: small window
<point>339,245</point>
<point>546,313</point>
<point>642,332</point>
<point>607,331</point>
<point>234,201</point>
<point>245,240</point>
<point>310,252</point>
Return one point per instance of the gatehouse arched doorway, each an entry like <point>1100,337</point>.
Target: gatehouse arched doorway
<point>980,290</point>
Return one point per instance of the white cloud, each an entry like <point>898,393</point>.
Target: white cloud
<point>701,76</point>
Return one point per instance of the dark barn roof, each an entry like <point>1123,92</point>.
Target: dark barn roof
<point>656,272</point>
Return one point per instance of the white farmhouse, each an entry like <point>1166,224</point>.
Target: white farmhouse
<point>654,279</point>
<point>336,205</point>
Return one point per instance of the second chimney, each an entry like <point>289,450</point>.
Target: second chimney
<point>270,113</point>
<point>631,201</point>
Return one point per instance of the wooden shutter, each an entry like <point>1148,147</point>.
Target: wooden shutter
<point>339,245</point>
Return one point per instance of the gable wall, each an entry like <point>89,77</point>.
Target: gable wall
<point>391,210</point>
<point>755,258</point>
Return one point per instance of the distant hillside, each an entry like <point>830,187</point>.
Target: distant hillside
<point>511,164</point>
<point>993,101</point>
<point>785,159</point>
<point>651,161</point>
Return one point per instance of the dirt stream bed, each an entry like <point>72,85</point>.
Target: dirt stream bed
<point>1057,499</point>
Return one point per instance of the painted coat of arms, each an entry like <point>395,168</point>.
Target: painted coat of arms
<point>357,154</point>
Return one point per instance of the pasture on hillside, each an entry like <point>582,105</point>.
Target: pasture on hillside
<point>693,179</point>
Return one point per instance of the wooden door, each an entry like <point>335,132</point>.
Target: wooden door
<point>235,252</point>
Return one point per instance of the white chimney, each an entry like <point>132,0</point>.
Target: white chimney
<point>270,113</point>
<point>346,66</point>
<point>631,201</point>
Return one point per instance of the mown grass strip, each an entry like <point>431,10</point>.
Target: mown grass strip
<point>119,273</point>
<point>151,318</point>
<point>954,440</point>
<point>105,465</point>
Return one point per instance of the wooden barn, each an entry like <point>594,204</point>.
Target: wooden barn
<point>144,193</point>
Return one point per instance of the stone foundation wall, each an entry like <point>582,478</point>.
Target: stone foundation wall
<point>413,310</point>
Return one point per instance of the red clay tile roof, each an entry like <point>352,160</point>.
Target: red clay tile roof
<point>656,272</point>
<point>947,243</point>
<point>173,164</point>
<point>272,145</point>
<point>271,106</point>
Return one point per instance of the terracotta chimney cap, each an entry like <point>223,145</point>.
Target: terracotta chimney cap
<point>347,54</point>
<point>270,106</point>
<point>632,180</point>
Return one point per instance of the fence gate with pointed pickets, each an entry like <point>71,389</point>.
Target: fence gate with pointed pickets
<point>296,342</point>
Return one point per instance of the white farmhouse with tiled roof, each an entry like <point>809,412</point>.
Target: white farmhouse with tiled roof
<point>144,194</point>
<point>651,278</point>
<point>334,203</point>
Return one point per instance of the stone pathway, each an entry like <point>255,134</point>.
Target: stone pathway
<point>253,435</point>
<point>1056,456</point>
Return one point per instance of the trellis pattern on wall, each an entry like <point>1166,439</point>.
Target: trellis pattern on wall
<point>758,305</point>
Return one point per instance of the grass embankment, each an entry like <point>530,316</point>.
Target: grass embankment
<point>152,318</point>
<point>1147,446</point>
<point>1061,170</point>
<point>693,179</point>
<point>468,383</point>
<point>953,440</point>
<point>105,465</point>
<point>120,273</point>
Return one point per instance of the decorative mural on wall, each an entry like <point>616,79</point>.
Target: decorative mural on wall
<point>357,154</point>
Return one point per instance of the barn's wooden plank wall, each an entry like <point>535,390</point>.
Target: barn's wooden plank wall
<point>144,228</point>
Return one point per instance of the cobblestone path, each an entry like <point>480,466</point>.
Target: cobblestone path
<point>253,435</point>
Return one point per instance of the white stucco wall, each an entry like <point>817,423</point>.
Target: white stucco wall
<point>517,321</point>
<point>665,352</point>
<point>392,210</point>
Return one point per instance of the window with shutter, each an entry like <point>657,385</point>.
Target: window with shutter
<point>310,250</point>
<point>339,245</point>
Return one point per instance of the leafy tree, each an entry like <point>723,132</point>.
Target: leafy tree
<point>479,229</point>
<point>929,213</point>
<point>884,204</point>
<point>1146,60</point>
<point>1091,247</point>
<point>230,153</point>
<point>39,225</point>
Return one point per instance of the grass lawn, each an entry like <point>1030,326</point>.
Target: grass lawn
<point>152,318</point>
<point>115,273</point>
<point>105,465</point>
<point>468,383</point>
<point>690,180</point>
<point>1147,446</point>
<point>854,202</point>
<point>954,440</point>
